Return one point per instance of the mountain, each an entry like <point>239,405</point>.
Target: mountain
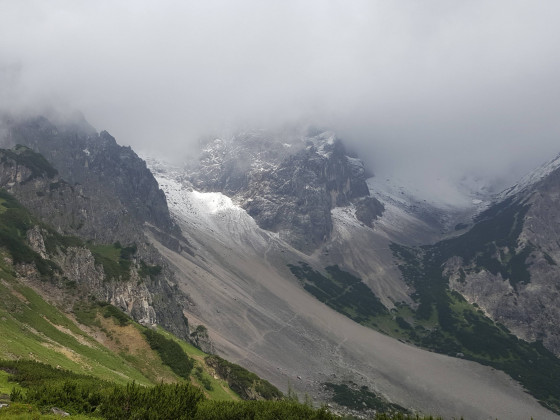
<point>307,311</point>
<point>288,185</point>
<point>511,269</point>
<point>121,190</point>
<point>95,205</point>
<point>290,260</point>
<point>79,318</point>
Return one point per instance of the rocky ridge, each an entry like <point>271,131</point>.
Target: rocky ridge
<point>288,183</point>
<point>122,193</point>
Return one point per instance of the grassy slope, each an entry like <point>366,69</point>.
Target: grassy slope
<point>98,344</point>
<point>32,328</point>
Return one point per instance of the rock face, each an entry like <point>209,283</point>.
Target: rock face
<point>288,184</point>
<point>514,276</point>
<point>120,190</point>
<point>201,339</point>
<point>368,209</point>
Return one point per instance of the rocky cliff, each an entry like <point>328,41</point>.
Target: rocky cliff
<point>133,277</point>
<point>288,183</point>
<point>121,191</point>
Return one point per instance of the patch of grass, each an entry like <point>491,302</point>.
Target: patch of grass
<point>119,316</point>
<point>86,313</point>
<point>203,379</point>
<point>149,270</point>
<point>6,386</point>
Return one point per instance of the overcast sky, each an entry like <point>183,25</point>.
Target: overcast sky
<point>418,87</point>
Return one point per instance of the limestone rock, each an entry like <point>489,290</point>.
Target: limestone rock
<point>287,183</point>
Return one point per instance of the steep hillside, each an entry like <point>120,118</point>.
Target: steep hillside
<point>56,362</point>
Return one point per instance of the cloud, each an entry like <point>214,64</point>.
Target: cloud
<point>434,87</point>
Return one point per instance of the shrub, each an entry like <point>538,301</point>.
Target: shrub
<point>170,352</point>
<point>262,410</point>
<point>246,384</point>
<point>164,401</point>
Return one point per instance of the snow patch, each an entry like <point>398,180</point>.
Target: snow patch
<point>208,213</point>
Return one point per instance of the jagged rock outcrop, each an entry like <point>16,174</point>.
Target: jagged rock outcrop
<point>368,209</point>
<point>149,299</point>
<point>120,190</point>
<point>201,339</point>
<point>288,184</point>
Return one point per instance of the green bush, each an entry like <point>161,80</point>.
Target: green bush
<point>119,316</point>
<point>170,352</point>
<point>149,270</point>
<point>164,401</point>
<point>260,410</point>
<point>243,382</point>
<point>360,398</point>
<point>46,387</point>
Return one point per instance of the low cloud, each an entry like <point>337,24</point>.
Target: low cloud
<point>427,89</point>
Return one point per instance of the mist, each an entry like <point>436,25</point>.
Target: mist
<point>419,89</point>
